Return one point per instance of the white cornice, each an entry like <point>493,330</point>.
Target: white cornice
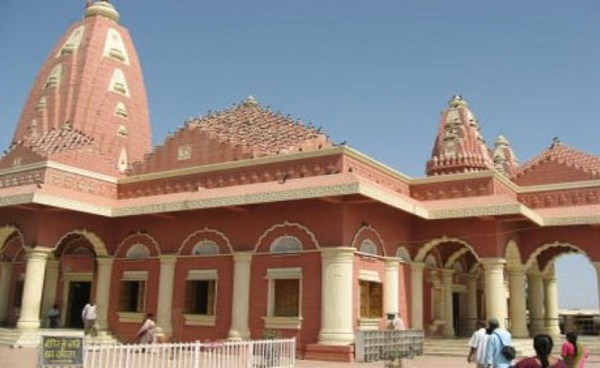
<point>395,200</point>
<point>58,166</point>
<point>70,204</point>
<point>231,165</point>
<point>240,199</point>
<point>560,186</point>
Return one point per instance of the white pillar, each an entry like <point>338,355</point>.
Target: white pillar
<point>518,309</point>
<point>447,281</point>
<point>32,289</point>
<point>241,296</point>
<point>535,292</point>
<point>495,297</point>
<point>471,303</point>
<point>103,290</point>
<point>165,293</point>
<point>416,295</point>
<point>6,269</point>
<point>392,268</point>
<point>50,286</point>
<point>337,327</point>
<point>551,293</point>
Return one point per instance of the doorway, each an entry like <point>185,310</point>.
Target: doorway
<point>456,314</point>
<point>79,296</point>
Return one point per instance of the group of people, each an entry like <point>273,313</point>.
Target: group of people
<point>490,347</point>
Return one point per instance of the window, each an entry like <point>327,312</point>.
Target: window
<point>200,297</point>
<point>286,244</point>
<point>371,299</point>
<point>287,298</point>
<point>118,83</point>
<point>284,298</point>
<point>205,248</point>
<point>132,296</point>
<point>368,247</point>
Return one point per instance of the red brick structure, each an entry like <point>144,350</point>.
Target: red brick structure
<point>247,222</point>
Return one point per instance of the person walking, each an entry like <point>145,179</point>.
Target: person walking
<point>498,339</point>
<point>147,333</point>
<point>477,345</point>
<point>573,352</point>
<point>89,316</point>
<point>542,344</point>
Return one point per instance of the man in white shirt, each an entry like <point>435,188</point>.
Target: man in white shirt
<point>89,315</point>
<point>477,345</point>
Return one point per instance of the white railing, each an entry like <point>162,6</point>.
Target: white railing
<point>231,354</point>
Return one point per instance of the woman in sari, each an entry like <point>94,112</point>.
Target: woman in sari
<point>542,344</point>
<point>573,352</point>
<point>147,333</point>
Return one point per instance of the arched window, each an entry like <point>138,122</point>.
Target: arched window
<point>138,251</point>
<point>54,77</point>
<point>368,247</point>
<point>72,42</point>
<point>121,110</point>
<point>205,248</point>
<point>286,244</point>
<point>403,254</point>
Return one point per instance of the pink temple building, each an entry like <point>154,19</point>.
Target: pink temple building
<point>246,221</point>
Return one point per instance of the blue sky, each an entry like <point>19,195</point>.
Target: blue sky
<point>375,74</point>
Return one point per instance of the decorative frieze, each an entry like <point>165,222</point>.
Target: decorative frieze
<point>449,190</point>
<point>579,197</point>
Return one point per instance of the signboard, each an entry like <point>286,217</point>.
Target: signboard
<point>61,350</point>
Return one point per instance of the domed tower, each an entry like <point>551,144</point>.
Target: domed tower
<point>505,160</point>
<point>459,146</point>
<point>90,89</point>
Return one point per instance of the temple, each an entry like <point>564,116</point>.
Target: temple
<point>247,222</point>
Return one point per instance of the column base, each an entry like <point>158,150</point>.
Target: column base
<point>28,325</point>
<point>332,353</point>
<point>336,338</point>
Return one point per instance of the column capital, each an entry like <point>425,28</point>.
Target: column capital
<point>104,261</point>
<point>392,263</point>
<point>337,254</point>
<point>417,266</point>
<point>492,263</point>
<point>39,252</point>
<point>240,257</point>
<point>447,272</point>
<point>167,259</point>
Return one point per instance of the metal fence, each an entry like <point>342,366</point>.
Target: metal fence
<point>389,345</point>
<point>231,354</point>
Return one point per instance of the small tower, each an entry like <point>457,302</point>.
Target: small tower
<point>92,82</point>
<point>459,146</point>
<point>505,160</point>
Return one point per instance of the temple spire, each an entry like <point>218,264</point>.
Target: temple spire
<point>459,146</point>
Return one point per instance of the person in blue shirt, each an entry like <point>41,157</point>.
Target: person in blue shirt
<point>498,337</point>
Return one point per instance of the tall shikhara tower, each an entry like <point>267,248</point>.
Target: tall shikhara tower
<point>88,103</point>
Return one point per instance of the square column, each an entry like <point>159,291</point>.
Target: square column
<point>495,298</point>
<point>103,291</point>
<point>447,281</point>
<point>337,327</point>
<point>416,295</point>
<point>6,269</point>
<point>517,302</point>
<point>241,296</point>
<point>32,290</point>
<point>165,293</point>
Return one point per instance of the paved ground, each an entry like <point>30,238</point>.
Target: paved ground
<point>26,358</point>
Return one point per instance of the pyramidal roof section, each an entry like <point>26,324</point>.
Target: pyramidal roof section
<point>459,146</point>
<point>505,160</point>
<point>245,131</point>
<point>91,82</point>
<point>558,164</point>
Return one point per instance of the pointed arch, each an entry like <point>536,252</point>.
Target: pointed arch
<point>8,231</point>
<point>455,257</point>
<point>97,243</point>
<point>539,250</point>
<point>301,232</point>
<point>430,245</point>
